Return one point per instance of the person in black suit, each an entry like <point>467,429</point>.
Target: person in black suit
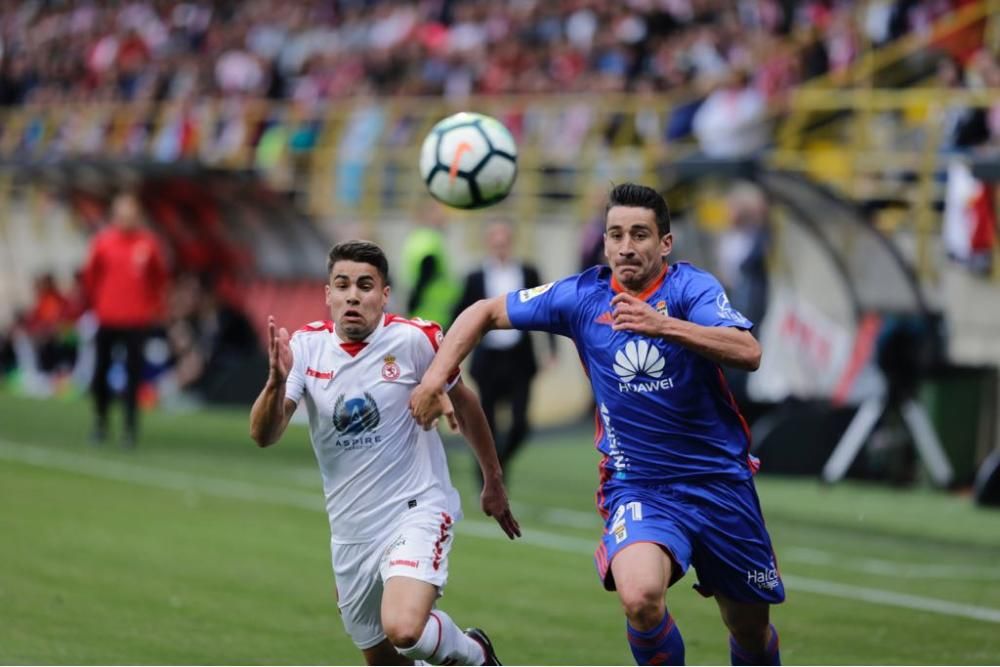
<point>504,364</point>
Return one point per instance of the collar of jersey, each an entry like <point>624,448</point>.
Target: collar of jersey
<point>340,341</point>
<point>617,287</point>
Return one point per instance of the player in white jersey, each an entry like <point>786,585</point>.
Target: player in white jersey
<point>389,497</point>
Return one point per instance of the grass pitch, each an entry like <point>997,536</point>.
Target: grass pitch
<point>200,548</point>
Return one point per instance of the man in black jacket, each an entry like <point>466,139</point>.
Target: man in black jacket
<point>504,364</point>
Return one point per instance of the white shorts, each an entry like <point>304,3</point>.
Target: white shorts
<point>417,547</point>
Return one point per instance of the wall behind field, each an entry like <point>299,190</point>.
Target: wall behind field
<point>38,235</point>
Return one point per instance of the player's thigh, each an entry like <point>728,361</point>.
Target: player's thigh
<point>406,605</point>
<point>733,555</point>
<point>359,591</point>
<point>643,526</point>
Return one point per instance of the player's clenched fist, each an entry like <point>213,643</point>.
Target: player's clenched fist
<point>428,403</point>
<point>635,315</point>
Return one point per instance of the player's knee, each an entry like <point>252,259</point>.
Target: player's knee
<point>644,606</point>
<point>403,631</point>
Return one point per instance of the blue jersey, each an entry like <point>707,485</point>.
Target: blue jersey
<point>665,413</point>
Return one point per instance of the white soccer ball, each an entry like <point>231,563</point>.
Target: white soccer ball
<point>469,160</point>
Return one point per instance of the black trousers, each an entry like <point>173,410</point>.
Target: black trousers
<point>132,339</point>
<point>504,376</point>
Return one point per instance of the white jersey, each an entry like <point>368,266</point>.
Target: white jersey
<point>376,461</point>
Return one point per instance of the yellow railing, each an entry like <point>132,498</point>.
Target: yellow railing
<point>880,67</point>
<point>359,158</point>
<point>357,162</point>
<point>872,62</point>
<point>888,145</point>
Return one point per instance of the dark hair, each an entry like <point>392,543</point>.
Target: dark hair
<point>365,252</point>
<point>640,196</point>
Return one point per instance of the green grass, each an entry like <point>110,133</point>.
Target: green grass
<point>200,548</point>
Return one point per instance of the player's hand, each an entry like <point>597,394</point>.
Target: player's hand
<point>428,404</point>
<point>633,314</point>
<point>494,502</point>
<point>279,352</point>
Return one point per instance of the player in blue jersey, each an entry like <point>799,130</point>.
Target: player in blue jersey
<point>676,484</point>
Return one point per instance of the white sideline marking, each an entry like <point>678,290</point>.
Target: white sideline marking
<point>888,568</point>
<point>879,596</point>
<point>133,473</point>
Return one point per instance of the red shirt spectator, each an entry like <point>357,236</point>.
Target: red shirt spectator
<point>126,271</point>
<point>51,307</point>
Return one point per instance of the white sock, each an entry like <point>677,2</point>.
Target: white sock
<point>442,642</point>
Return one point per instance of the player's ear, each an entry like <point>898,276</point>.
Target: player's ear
<point>326,294</point>
<point>666,244</point>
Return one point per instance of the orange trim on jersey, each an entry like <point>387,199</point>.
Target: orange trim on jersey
<point>728,394</point>
<point>601,559</point>
<point>617,287</point>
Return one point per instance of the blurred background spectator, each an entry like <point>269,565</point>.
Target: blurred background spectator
<point>126,280</point>
<point>427,270</point>
<point>504,363</point>
<point>212,343</point>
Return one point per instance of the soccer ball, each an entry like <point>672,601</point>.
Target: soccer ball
<point>469,160</point>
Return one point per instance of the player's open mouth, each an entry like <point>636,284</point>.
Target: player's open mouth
<point>352,315</point>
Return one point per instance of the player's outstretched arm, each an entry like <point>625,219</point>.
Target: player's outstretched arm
<point>473,425</point>
<point>728,346</point>
<point>428,401</point>
<point>271,412</point>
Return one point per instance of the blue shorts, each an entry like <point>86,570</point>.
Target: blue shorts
<point>716,526</point>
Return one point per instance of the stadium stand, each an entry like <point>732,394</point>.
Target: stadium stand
<point>239,117</point>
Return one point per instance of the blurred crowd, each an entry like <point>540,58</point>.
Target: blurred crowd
<point>189,357</point>
<point>44,340</point>
<point>729,64</point>
<point>964,127</point>
<point>316,50</point>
